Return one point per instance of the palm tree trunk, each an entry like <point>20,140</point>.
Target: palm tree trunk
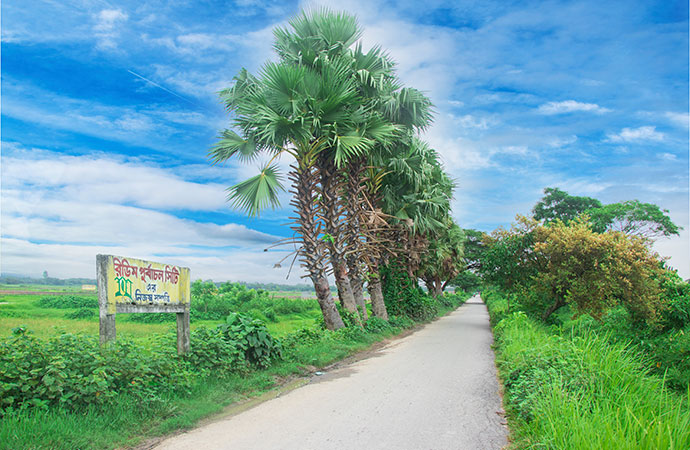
<point>378,306</point>
<point>357,286</point>
<point>331,205</point>
<point>331,316</point>
<point>312,252</point>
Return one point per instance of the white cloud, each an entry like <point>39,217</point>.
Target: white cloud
<point>59,211</point>
<point>668,156</point>
<point>149,126</point>
<point>647,133</point>
<point>108,18</point>
<point>471,122</point>
<point>68,260</point>
<point>89,179</point>
<point>569,106</point>
<point>107,27</point>
<point>559,142</point>
<point>678,119</point>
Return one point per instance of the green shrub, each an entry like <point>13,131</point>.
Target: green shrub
<point>253,339</point>
<point>73,371</point>
<point>152,318</point>
<point>81,313</point>
<point>67,302</point>
<point>270,315</point>
<point>402,322</point>
<point>377,325</point>
<point>403,296</point>
<point>214,351</point>
<point>677,295</point>
<point>304,336</point>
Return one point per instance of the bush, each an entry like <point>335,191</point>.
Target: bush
<point>402,322</point>
<point>211,303</point>
<point>403,296</point>
<point>213,350</point>
<point>151,317</point>
<point>81,313</point>
<point>377,325</point>
<point>73,371</point>
<point>304,336</point>
<point>253,339</point>
<point>67,302</point>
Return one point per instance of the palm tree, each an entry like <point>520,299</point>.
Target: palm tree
<point>416,194</point>
<point>316,116</point>
<point>443,259</point>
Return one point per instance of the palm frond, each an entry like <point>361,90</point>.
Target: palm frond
<point>259,192</point>
<point>231,144</point>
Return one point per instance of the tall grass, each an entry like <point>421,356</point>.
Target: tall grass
<point>583,392</point>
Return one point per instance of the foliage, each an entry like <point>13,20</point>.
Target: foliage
<point>73,371</point>
<point>67,302</point>
<point>581,391</point>
<point>559,264</point>
<point>467,281</point>
<point>596,271</point>
<point>81,313</point>
<point>676,294</point>
<point>633,217</point>
<point>509,259</point>
<point>403,296</point>
<point>443,259</point>
<point>559,205</point>
<point>253,339</point>
<point>213,303</point>
<point>215,351</point>
<point>474,248</point>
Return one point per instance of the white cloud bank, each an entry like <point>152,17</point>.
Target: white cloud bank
<point>59,211</point>
<point>569,106</point>
<point>647,133</point>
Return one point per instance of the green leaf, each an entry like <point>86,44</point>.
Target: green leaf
<point>258,192</point>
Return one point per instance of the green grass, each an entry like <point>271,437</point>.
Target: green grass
<point>126,421</point>
<point>21,310</point>
<point>583,392</point>
<point>42,288</point>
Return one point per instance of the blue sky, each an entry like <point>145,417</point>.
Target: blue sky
<point>109,109</point>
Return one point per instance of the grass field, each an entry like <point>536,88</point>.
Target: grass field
<point>21,310</point>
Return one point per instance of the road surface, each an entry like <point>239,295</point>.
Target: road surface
<point>434,389</point>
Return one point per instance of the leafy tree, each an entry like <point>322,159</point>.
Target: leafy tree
<point>509,260</point>
<point>558,204</point>
<point>474,248</point>
<point>467,281</point>
<point>443,259</point>
<point>634,218</point>
<point>595,271</point>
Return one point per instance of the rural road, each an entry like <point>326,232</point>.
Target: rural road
<point>434,389</point>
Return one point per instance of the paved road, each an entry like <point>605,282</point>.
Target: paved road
<point>434,389</point>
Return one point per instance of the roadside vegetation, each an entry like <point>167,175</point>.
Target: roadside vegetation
<point>592,330</point>
<point>53,389</point>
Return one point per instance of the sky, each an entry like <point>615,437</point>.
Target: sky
<point>109,110</point>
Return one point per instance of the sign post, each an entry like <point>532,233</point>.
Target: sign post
<point>129,285</point>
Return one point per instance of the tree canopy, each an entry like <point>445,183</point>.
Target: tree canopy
<point>631,217</point>
<point>558,204</point>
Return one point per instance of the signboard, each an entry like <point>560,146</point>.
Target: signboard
<point>130,285</point>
